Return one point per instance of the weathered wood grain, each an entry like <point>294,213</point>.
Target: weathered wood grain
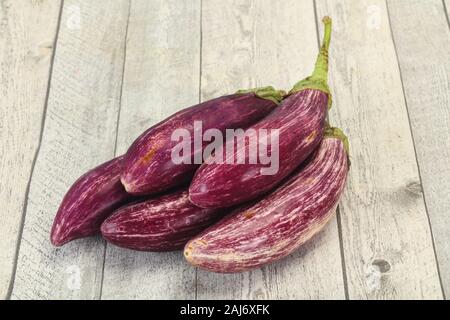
<point>79,133</point>
<point>258,43</point>
<point>161,77</point>
<point>386,236</point>
<point>27,35</point>
<point>421,28</point>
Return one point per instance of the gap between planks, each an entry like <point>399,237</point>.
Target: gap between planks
<point>199,100</point>
<point>446,12</point>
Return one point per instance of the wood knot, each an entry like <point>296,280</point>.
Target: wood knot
<point>382,265</point>
<point>259,295</point>
<point>414,188</point>
<point>41,51</point>
<point>46,46</point>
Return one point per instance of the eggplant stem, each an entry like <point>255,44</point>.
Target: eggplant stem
<point>319,78</point>
<point>321,67</point>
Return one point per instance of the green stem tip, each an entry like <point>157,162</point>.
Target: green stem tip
<point>319,78</point>
<point>321,68</point>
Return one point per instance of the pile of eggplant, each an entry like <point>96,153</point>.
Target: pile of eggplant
<point>228,217</point>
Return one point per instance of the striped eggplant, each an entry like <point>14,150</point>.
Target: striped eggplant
<point>274,227</point>
<point>165,223</point>
<point>88,202</point>
<point>299,120</point>
<point>148,166</point>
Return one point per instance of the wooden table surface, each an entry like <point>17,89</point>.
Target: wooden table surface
<point>80,80</point>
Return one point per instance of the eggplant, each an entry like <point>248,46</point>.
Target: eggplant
<point>276,226</point>
<point>93,197</point>
<point>148,166</point>
<point>164,223</point>
<point>298,123</point>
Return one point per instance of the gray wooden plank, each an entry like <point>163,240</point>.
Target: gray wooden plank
<point>79,133</point>
<point>386,237</point>
<point>27,35</point>
<point>258,43</point>
<point>162,73</point>
<point>422,39</point>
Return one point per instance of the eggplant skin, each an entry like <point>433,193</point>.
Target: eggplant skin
<point>93,197</point>
<point>300,120</point>
<point>279,224</point>
<point>148,167</point>
<point>165,223</point>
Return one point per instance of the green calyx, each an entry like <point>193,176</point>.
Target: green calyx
<point>269,93</point>
<point>338,134</point>
<point>319,78</point>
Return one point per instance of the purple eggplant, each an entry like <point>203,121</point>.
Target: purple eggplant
<point>298,123</point>
<point>92,198</point>
<point>148,165</point>
<point>165,223</point>
<point>280,223</point>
